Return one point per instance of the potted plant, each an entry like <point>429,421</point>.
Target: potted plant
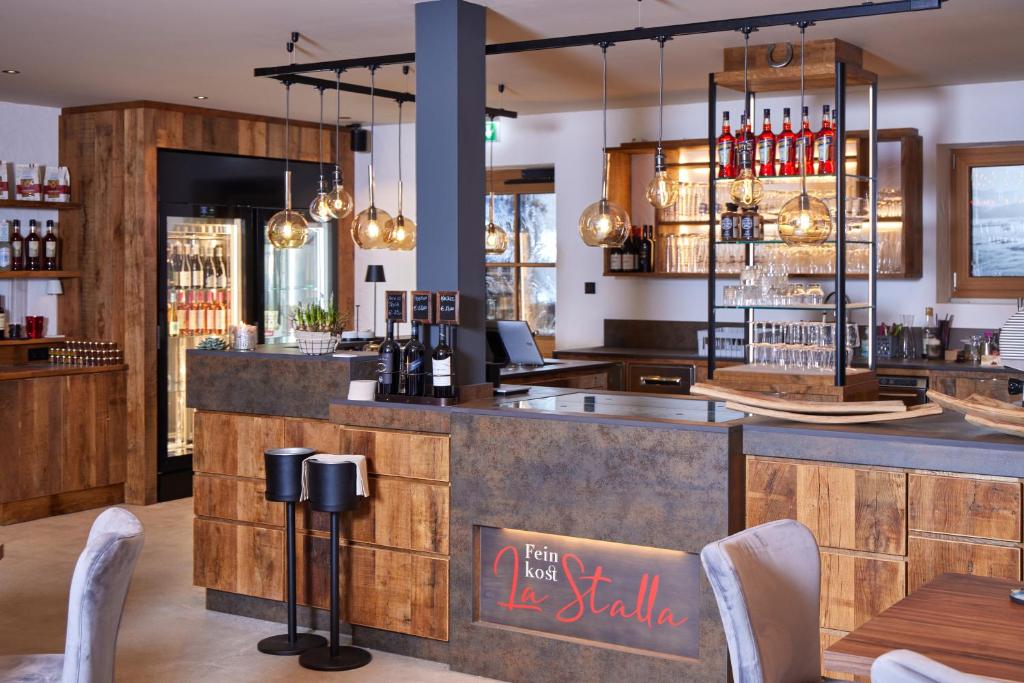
<point>317,327</point>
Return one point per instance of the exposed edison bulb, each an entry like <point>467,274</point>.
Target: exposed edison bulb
<point>371,228</point>
<point>746,190</point>
<point>403,234</point>
<point>287,229</point>
<point>339,198</point>
<point>495,239</point>
<point>321,209</point>
<point>662,191</point>
<point>604,224</point>
<point>804,220</point>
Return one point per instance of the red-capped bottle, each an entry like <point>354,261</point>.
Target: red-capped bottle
<point>824,140</point>
<point>744,145</point>
<point>837,151</point>
<point>766,147</point>
<point>726,148</point>
<point>805,143</point>
<point>785,147</point>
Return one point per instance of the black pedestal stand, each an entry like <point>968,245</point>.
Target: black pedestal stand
<point>290,643</point>
<point>332,489</point>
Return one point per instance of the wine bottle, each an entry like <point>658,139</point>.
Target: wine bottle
<point>220,266</point>
<point>443,360</point>
<point>209,272</point>
<point>51,249</point>
<point>33,260</point>
<point>17,246</point>
<point>644,252</point>
<point>412,361</point>
<point>388,358</point>
<point>615,260</point>
<point>196,267</point>
<point>629,253</point>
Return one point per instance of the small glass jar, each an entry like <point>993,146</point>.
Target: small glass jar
<point>814,294</point>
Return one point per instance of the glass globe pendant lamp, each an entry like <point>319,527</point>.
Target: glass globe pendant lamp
<point>339,198</point>
<point>804,219</point>
<point>746,190</point>
<point>403,234</point>
<point>604,223</point>
<point>321,209</point>
<point>662,191</point>
<point>287,229</point>
<point>373,226</point>
<point>495,237</point>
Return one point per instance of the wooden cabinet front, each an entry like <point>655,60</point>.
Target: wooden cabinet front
<point>982,508</point>
<point>931,557</point>
<point>855,588</point>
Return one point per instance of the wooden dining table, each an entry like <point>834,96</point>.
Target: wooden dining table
<point>966,622</point>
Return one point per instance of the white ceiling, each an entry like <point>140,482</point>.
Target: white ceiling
<point>78,53</point>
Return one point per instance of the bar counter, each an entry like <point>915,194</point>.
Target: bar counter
<point>623,487</point>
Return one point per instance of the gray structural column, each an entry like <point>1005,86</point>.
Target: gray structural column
<point>450,101</point>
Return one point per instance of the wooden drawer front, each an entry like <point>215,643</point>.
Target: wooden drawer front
<point>237,499</point>
<point>931,557</point>
<point>239,559</point>
<point>856,588</point>
<point>419,456</point>
<point>660,379</point>
<point>845,507</point>
<point>387,589</point>
<point>402,513</point>
<point>965,506</point>
<point>229,443</point>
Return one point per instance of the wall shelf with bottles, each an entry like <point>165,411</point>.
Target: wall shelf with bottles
<point>38,274</point>
<point>680,232</point>
<point>39,206</point>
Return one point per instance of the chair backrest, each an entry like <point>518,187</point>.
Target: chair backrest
<point>98,590</point>
<point>904,666</point>
<point>767,583</point>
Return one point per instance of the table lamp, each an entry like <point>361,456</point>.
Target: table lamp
<point>375,274</point>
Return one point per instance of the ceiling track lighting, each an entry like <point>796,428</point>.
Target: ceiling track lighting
<point>495,237</point>
<point>403,235</point>
<point>662,191</point>
<point>604,223</point>
<point>372,226</point>
<point>804,219</point>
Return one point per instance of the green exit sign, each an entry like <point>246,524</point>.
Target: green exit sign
<point>491,131</point>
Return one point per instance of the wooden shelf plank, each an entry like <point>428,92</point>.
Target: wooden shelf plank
<point>38,274</point>
<point>45,341</point>
<point>39,206</point>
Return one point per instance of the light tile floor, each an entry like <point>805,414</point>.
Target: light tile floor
<point>166,634</point>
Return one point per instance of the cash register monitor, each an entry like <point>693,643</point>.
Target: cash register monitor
<point>519,343</point>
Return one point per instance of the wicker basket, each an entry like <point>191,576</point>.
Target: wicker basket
<point>316,343</point>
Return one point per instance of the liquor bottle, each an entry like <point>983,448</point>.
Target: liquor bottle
<point>653,247</point>
<point>220,267</point>
<point>730,223</point>
<point>196,268</point>
<point>930,342</point>
<point>5,246</point>
<point>181,312</point>
<point>388,358</point>
<point>442,361</point>
<point>644,252</point>
<point>172,315</point>
<point>805,144</point>
<point>726,147</point>
<point>825,142</point>
<point>744,146</point>
<point>3,320</point>
<point>17,246</point>
<point>413,356</point>
<point>195,324</point>
<point>629,253</point>
<point>221,315</point>
<point>766,147</point>
<point>615,260</point>
<point>837,152</point>
<point>209,272</point>
<point>33,259</point>
<point>785,146</point>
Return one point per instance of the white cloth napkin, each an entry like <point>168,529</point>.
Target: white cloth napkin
<point>362,483</point>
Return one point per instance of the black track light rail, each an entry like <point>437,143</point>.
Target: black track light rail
<point>395,95</point>
<point>867,9</point>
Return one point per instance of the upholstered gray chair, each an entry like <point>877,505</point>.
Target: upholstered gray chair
<point>767,581</point>
<point>904,666</point>
<point>98,590</point>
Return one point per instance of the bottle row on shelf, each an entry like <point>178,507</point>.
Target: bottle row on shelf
<point>785,154</point>
<point>31,251</point>
<point>192,266</point>
<point>198,312</point>
<point>402,369</point>
<point>85,353</point>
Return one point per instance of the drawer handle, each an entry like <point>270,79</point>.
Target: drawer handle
<point>661,380</point>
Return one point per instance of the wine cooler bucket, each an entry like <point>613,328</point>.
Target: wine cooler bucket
<point>316,343</point>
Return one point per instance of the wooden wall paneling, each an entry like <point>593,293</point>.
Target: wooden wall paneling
<point>855,588</point>
<point>418,456</point>
<point>252,138</point>
<point>965,506</point>
<point>930,557</point>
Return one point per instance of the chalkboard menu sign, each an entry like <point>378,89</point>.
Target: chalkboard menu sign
<point>395,306</point>
<point>423,307</point>
<point>448,307</point>
<point>623,596</point>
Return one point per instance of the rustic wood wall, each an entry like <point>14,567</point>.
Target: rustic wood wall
<point>111,152</point>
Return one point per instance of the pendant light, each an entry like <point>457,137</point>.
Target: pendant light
<point>287,229</point>
<point>372,226</point>
<point>804,219</point>
<point>403,236</point>
<point>340,199</point>
<point>604,223</point>
<point>320,208</point>
<point>495,237</point>
<point>746,190</point>
<point>662,191</point>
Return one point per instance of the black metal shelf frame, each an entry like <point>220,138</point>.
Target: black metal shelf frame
<point>840,221</point>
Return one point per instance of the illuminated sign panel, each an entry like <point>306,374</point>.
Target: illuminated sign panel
<point>608,593</point>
